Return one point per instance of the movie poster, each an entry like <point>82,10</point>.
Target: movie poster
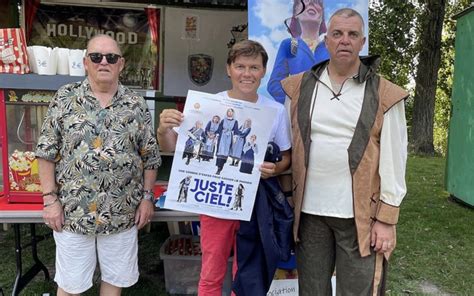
<point>221,144</point>
<point>137,31</point>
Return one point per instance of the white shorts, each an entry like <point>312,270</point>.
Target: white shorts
<point>76,259</point>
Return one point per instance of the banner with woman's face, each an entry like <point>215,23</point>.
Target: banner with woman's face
<point>293,33</point>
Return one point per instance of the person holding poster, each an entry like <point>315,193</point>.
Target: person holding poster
<point>246,66</point>
<point>98,158</point>
<point>349,157</point>
<point>304,49</point>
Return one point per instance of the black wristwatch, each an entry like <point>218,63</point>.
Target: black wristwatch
<point>149,195</point>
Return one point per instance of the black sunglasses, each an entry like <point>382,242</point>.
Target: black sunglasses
<point>111,58</point>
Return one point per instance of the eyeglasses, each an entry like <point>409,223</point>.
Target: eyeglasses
<point>111,58</point>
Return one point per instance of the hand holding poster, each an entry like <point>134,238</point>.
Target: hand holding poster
<point>221,144</point>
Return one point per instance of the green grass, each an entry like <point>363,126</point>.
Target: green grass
<point>435,246</point>
<point>151,280</point>
<point>434,254</point>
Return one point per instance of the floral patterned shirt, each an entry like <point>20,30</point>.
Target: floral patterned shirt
<point>100,156</point>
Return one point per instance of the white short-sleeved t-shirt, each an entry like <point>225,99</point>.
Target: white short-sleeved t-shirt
<point>280,133</point>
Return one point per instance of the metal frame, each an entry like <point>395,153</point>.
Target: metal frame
<point>37,216</point>
<point>22,279</point>
<point>4,145</point>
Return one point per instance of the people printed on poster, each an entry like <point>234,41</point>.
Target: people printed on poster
<point>195,140</point>
<point>231,143</point>
<point>183,189</point>
<point>248,154</point>
<point>228,127</point>
<point>209,148</point>
<point>239,142</point>
<point>217,173</point>
<point>239,194</point>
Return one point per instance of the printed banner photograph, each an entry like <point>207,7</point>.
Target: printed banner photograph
<point>221,144</point>
<point>293,34</point>
<point>137,31</point>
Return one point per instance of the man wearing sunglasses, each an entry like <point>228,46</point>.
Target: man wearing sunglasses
<point>98,158</point>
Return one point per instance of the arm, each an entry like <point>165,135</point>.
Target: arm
<point>53,214</point>
<point>283,140</point>
<point>245,133</point>
<point>169,118</point>
<point>150,155</point>
<point>393,156</point>
<point>207,129</point>
<point>47,150</point>
<point>238,132</point>
<point>146,208</point>
<point>270,169</point>
<point>235,129</point>
<point>321,53</point>
<point>280,71</point>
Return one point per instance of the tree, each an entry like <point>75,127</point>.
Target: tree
<point>445,79</point>
<point>395,31</point>
<point>431,24</point>
<point>392,37</point>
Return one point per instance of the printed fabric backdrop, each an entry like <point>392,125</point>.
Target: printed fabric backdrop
<point>267,26</point>
<point>136,31</point>
<point>196,46</point>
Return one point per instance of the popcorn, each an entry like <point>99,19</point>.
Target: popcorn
<point>24,171</point>
<point>33,187</point>
<point>21,161</point>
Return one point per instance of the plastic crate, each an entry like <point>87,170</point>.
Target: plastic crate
<point>182,270</point>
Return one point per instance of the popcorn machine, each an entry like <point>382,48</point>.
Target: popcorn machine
<point>21,116</point>
<point>24,102</point>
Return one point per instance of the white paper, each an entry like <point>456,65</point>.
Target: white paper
<point>289,287</point>
<point>283,288</point>
<point>63,61</point>
<point>194,186</point>
<point>32,59</point>
<point>76,63</point>
<point>46,59</point>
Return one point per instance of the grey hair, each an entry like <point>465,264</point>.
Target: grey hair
<point>103,36</point>
<point>348,12</point>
